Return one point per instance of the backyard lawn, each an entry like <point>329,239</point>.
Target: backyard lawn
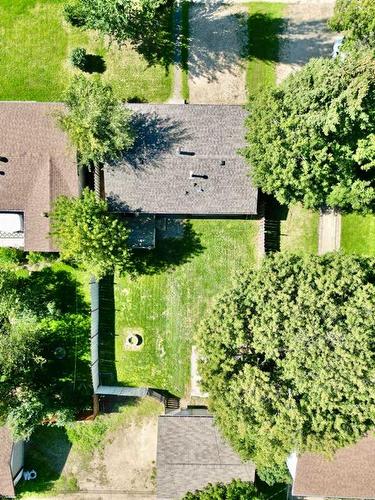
<point>358,234</point>
<point>166,307</point>
<point>299,231</point>
<point>35,47</point>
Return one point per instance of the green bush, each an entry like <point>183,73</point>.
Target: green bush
<point>78,57</point>
<point>11,256</point>
<point>39,257</point>
<point>74,14</point>
<point>88,435</point>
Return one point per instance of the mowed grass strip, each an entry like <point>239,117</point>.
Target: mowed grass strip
<point>358,234</point>
<point>265,23</point>
<point>34,51</point>
<point>166,308</point>
<point>299,231</point>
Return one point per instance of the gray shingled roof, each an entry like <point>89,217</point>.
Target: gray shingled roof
<point>191,453</point>
<point>155,177</point>
<point>40,167</point>
<point>349,474</point>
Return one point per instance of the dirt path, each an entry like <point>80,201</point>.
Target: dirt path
<point>218,36</point>
<point>306,36</point>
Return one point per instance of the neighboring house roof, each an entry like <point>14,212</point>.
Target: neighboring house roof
<point>191,453</point>
<point>173,141</point>
<point>40,167</point>
<point>350,473</point>
<point>6,479</point>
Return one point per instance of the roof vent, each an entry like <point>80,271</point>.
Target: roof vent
<point>182,152</point>
<point>222,163</point>
<point>197,176</point>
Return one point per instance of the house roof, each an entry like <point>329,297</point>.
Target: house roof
<point>40,167</point>
<point>6,480</point>
<point>173,141</point>
<point>350,474</point>
<point>191,453</point>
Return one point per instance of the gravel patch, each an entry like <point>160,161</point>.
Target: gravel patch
<point>217,69</point>
<point>306,35</point>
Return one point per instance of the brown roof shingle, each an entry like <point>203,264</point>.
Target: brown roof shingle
<point>191,453</point>
<point>41,166</point>
<point>6,480</point>
<point>350,473</point>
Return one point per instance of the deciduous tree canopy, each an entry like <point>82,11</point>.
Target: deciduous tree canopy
<point>44,370</point>
<point>288,357</point>
<point>357,19</point>
<point>145,23</point>
<point>312,139</point>
<point>87,233</point>
<point>97,123</point>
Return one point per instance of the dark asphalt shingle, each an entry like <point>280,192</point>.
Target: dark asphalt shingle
<point>155,178</point>
<point>191,453</point>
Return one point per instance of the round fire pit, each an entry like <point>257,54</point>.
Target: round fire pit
<point>133,341</point>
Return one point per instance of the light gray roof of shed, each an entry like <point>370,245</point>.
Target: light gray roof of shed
<point>155,177</point>
<point>191,454</point>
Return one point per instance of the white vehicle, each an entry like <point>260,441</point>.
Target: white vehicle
<point>337,47</point>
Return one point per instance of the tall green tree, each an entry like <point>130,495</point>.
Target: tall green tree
<point>235,490</point>
<point>97,123</point>
<point>44,370</point>
<point>312,139</point>
<point>288,358</point>
<point>356,18</point>
<point>144,23</point>
<point>89,234</point>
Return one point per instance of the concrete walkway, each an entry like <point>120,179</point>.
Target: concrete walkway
<point>329,231</point>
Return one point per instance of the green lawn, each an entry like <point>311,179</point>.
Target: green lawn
<point>299,232</point>
<point>358,234</point>
<point>34,50</point>
<point>167,307</point>
<point>265,23</point>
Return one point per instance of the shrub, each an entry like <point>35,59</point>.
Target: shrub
<point>11,256</point>
<point>74,14</point>
<point>78,57</point>
<point>236,490</point>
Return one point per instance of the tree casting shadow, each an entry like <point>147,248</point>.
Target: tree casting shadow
<point>169,252</point>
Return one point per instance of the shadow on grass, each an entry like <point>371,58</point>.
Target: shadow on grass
<point>264,30</point>
<point>94,64</point>
<point>49,288</point>
<point>107,330</point>
<point>169,252</point>
<point>46,453</point>
<point>274,214</point>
